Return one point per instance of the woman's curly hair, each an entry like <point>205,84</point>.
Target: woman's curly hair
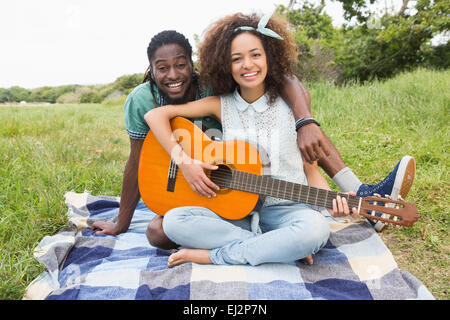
<point>215,53</point>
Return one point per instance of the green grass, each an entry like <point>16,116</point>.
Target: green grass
<point>46,151</point>
<point>373,126</point>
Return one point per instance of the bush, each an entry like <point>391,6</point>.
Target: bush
<point>373,47</point>
<point>69,97</point>
<point>17,94</point>
<point>4,95</point>
<point>114,101</point>
<point>128,83</point>
<point>90,97</point>
<point>318,65</point>
<point>438,57</point>
<point>395,45</point>
<point>315,37</point>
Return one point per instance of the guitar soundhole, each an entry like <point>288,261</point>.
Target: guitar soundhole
<point>222,176</point>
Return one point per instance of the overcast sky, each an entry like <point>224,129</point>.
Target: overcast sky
<point>56,42</point>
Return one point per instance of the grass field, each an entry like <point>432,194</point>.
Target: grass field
<point>46,151</point>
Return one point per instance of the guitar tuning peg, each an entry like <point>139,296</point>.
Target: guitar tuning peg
<point>387,196</point>
<point>400,198</point>
<point>376,195</point>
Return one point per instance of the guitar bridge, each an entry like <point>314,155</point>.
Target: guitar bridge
<point>172,177</point>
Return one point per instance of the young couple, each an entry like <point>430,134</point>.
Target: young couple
<point>247,62</point>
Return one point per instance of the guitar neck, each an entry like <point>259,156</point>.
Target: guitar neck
<point>276,188</point>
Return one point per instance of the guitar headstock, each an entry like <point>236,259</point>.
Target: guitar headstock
<point>392,211</point>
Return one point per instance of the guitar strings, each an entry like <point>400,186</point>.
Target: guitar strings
<point>220,179</point>
<point>239,183</point>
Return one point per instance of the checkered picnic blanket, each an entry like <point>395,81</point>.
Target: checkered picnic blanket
<point>355,264</point>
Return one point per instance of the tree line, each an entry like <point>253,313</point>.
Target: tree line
<point>115,91</point>
<point>369,45</point>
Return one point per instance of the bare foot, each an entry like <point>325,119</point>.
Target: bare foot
<point>308,260</point>
<point>200,256</point>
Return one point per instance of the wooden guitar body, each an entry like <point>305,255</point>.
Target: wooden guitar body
<point>155,170</point>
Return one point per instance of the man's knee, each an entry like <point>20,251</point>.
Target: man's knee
<point>157,237</point>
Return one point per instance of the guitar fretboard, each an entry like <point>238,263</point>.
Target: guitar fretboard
<point>269,186</point>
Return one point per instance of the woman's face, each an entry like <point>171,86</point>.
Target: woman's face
<point>248,61</point>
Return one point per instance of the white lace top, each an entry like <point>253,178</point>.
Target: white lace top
<point>270,127</point>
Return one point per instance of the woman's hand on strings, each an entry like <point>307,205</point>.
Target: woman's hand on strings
<point>341,209</point>
<point>194,173</point>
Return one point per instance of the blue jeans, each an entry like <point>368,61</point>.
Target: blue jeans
<point>289,232</point>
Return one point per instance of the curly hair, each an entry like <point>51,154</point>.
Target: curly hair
<point>215,53</point>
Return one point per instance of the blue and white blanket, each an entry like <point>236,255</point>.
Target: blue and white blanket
<point>355,264</point>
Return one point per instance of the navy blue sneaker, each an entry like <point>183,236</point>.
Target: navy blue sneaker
<point>397,183</point>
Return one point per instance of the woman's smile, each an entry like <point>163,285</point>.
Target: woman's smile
<point>251,75</point>
<point>249,65</point>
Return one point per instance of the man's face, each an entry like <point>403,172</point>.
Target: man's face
<point>172,72</point>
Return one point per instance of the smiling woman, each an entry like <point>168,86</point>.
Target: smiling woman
<point>249,65</point>
<point>215,62</point>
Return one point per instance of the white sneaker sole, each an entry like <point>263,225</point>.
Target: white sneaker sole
<point>402,184</point>
<point>404,177</point>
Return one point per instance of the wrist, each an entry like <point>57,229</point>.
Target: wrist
<point>183,159</point>
<point>122,223</point>
<point>300,123</point>
<point>118,228</point>
<point>179,156</point>
<point>299,116</point>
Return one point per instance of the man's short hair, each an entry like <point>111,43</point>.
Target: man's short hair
<point>168,37</point>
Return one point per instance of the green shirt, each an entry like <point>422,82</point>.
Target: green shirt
<point>140,101</point>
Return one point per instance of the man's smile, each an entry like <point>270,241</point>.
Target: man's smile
<point>175,87</point>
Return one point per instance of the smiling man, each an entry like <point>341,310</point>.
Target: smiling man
<point>170,79</point>
<point>171,72</point>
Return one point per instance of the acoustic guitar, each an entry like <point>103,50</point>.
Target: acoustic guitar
<point>243,186</point>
